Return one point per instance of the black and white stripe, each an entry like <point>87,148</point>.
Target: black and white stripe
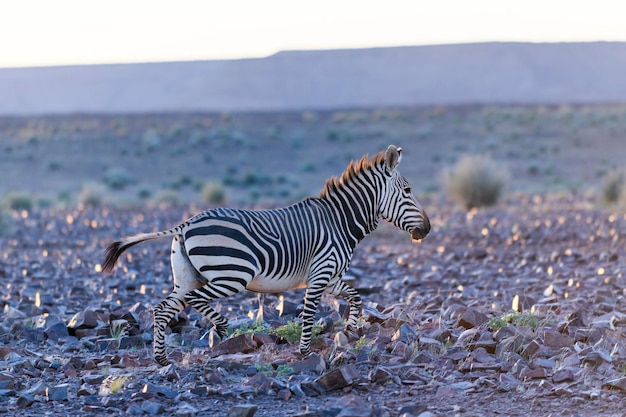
<point>309,245</point>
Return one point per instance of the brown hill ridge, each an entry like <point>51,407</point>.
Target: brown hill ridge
<point>297,80</point>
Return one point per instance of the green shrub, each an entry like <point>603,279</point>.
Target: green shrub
<point>18,201</point>
<point>475,181</point>
<point>213,192</point>
<point>6,222</point>
<point>612,186</point>
<point>118,178</point>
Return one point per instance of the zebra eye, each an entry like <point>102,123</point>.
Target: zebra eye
<point>407,190</point>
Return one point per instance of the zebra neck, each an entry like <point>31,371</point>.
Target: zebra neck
<point>357,215</point>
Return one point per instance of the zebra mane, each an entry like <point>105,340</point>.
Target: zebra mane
<point>355,168</point>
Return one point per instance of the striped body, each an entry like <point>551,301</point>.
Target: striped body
<point>309,245</point>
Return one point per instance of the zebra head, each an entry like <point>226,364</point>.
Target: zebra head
<point>397,204</point>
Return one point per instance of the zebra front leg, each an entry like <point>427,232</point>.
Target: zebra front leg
<point>354,300</point>
<point>311,301</point>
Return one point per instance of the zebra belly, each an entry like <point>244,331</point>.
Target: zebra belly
<point>265,284</point>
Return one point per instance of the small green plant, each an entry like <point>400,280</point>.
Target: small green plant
<point>166,197</point>
<point>118,329</point>
<point>475,181</point>
<point>292,331</point>
<point>18,201</point>
<point>514,318</point>
<point>284,370</point>
<point>361,344</point>
<point>256,327</point>
<point>612,186</point>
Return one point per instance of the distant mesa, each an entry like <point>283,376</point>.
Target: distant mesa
<point>315,80</point>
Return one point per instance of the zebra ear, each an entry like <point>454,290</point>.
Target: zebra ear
<point>393,156</point>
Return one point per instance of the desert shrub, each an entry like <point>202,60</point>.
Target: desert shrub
<point>91,195</point>
<point>6,222</point>
<point>18,201</point>
<point>612,186</point>
<point>118,178</point>
<point>475,181</point>
<point>144,193</point>
<point>167,197</point>
<point>213,192</point>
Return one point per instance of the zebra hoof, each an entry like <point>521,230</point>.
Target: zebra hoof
<point>305,352</point>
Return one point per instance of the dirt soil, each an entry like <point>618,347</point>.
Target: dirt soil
<point>436,335</point>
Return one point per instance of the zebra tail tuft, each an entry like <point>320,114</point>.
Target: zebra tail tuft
<point>112,253</point>
<point>115,250</point>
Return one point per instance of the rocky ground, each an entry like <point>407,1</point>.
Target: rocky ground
<point>513,310</point>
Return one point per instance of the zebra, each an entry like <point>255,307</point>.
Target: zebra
<point>309,244</point>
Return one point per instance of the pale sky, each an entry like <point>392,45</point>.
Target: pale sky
<point>62,32</point>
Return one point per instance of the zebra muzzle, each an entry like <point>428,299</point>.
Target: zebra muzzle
<point>421,232</point>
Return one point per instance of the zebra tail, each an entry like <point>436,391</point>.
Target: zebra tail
<point>115,249</point>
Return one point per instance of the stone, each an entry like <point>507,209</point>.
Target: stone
<point>340,340</point>
<point>349,406</point>
<point>472,318</point>
<point>153,391</point>
<point>406,334</point>
<point>242,343</point>
<point>56,331</point>
<point>57,393</point>
<point>338,378</point>
<point>25,400</point>
<point>185,409</point>
<point>312,363</point>
<point>563,375</point>
<point>242,410</point>
<point>152,407</point>
<point>380,375</point>
<point>86,319</point>
<point>618,383</point>
<point>556,340</point>
<point>412,410</point>
<point>522,303</point>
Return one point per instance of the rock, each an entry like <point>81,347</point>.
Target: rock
<point>348,406</point>
<point>340,340</point>
<point>472,318</point>
<point>152,407</point>
<point>556,340</point>
<point>619,383</point>
<point>338,378</point>
<point>412,410</point>
<point>242,410</point>
<point>380,375</point>
<point>522,303</point>
<point>25,400</point>
<point>57,393</point>
<point>242,343</point>
<point>6,381</point>
<point>153,391</point>
<point>406,334</point>
<point>56,331</point>
<point>185,409</point>
<point>284,394</point>
<point>86,319</point>
<point>563,375</point>
<point>312,363</point>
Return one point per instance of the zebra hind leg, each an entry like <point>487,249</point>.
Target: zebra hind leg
<point>217,288</point>
<point>354,300</point>
<point>184,281</point>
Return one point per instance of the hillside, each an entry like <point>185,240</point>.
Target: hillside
<point>415,75</point>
